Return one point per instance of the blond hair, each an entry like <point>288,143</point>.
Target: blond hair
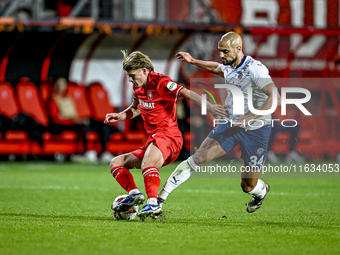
<point>136,60</point>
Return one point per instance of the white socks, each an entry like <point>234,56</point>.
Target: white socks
<point>134,191</point>
<point>182,173</point>
<point>259,190</point>
<point>152,201</point>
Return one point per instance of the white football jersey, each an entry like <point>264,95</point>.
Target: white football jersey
<point>249,72</point>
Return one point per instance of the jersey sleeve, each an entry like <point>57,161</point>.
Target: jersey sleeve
<point>259,75</point>
<point>135,96</point>
<point>223,68</point>
<point>169,90</point>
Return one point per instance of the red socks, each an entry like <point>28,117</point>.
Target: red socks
<point>124,178</point>
<point>151,181</point>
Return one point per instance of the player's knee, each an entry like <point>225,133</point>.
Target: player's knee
<point>200,159</point>
<point>145,165</point>
<point>246,186</point>
<point>116,161</point>
<point>154,163</point>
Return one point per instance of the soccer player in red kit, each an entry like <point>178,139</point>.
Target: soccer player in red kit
<point>155,97</point>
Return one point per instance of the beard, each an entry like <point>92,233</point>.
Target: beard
<point>229,62</point>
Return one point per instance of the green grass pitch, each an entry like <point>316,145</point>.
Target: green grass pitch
<point>50,208</point>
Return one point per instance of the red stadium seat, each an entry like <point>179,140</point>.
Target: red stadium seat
<point>64,147</point>
<point>91,102</point>
<point>123,143</point>
<point>46,90</point>
<point>78,94</point>
<point>15,147</point>
<point>100,104</point>
<point>30,101</point>
<point>92,141</point>
<point>16,136</point>
<point>137,136</point>
<point>13,142</point>
<point>68,135</point>
<point>31,104</point>
<point>117,137</point>
<point>99,101</point>
<point>8,103</point>
<point>92,136</point>
<point>64,143</point>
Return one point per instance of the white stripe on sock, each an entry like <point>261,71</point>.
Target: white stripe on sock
<point>150,170</point>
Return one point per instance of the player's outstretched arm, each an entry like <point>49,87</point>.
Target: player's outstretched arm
<point>129,113</point>
<point>209,66</point>
<point>216,110</point>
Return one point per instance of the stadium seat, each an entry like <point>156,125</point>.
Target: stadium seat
<point>136,136</point>
<point>117,137</point>
<point>100,106</point>
<point>9,105</point>
<point>68,135</point>
<point>99,101</point>
<point>16,136</point>
<point>13,142</point>
<point>30,101</point>
<point>79,95</point>
<point>123,143</point>
<point>46,90</point>
<point>92,142</point>
<point>32,104</point>
<point>281,143</point>
<point>65,143</point>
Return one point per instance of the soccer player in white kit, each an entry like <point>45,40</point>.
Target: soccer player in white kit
<point>251,132</point>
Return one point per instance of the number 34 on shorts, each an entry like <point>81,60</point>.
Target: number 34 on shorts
<point>256,161</point>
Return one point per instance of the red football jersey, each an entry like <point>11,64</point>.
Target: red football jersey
<point>157,101</point>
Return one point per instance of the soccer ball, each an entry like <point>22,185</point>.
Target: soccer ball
<point>129,215</point>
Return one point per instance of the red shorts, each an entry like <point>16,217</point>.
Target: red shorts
<point>169,143</point>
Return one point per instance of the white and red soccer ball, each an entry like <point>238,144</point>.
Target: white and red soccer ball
<point>128,215</point>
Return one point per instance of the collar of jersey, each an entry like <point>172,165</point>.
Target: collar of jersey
<point>242,61</point>
<point>150,77</point>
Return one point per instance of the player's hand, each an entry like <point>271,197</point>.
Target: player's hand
<point>246,120</point>
<point>185,56</point>
<point>112,117</point>
<point>217,111</point>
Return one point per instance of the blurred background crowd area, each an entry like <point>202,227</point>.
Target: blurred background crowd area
<point>61,72</point>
